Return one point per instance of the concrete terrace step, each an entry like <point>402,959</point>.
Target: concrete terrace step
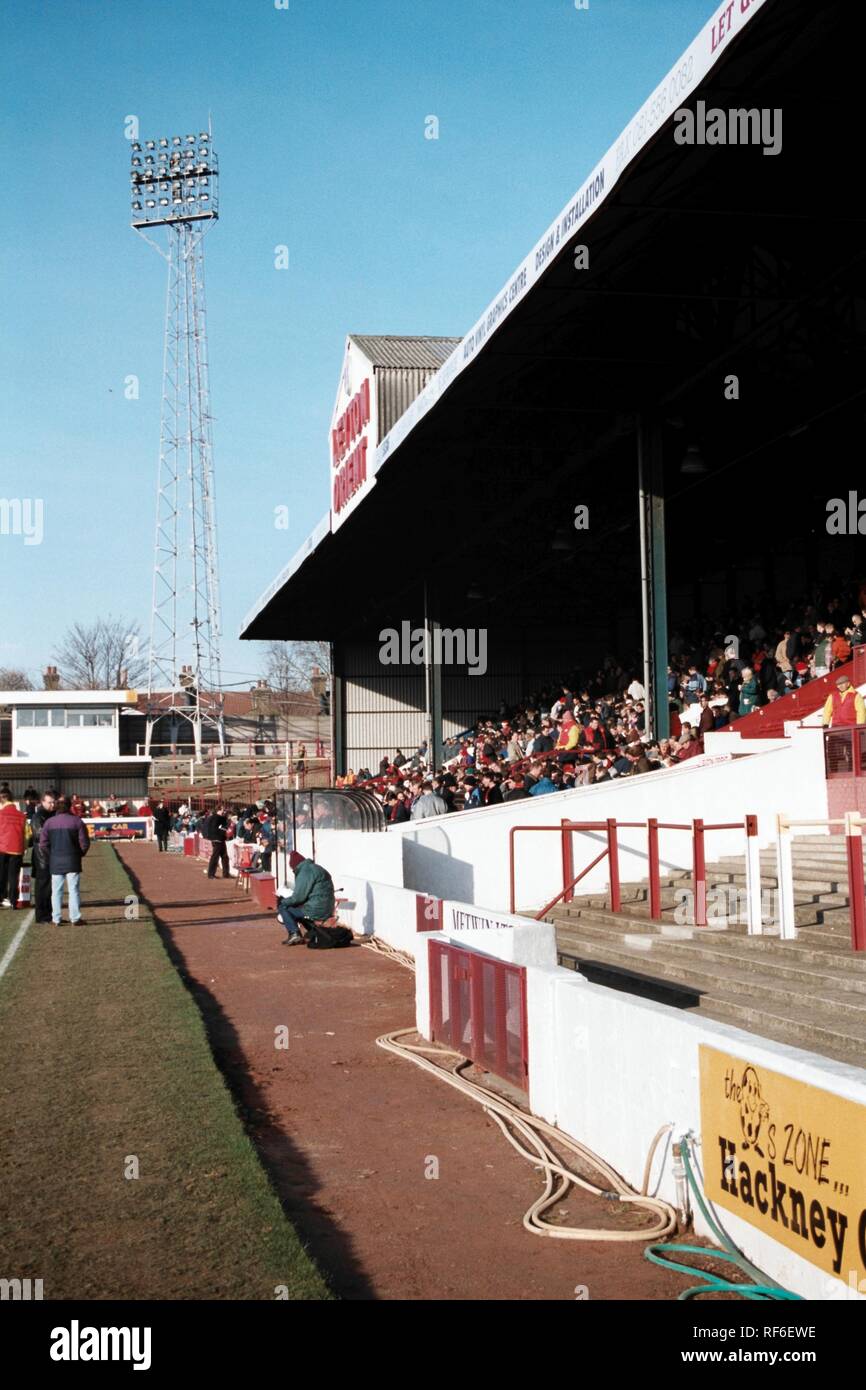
<point>822,1033</point>
<point>832,916</point>
<point>707,969</point>
<point>834,938</point>
<point>805,1021</point>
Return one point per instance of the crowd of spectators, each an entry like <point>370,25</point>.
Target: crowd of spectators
<point>592,729</point>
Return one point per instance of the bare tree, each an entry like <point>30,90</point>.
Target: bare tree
<point>11,679</point>
<point>105,655</point>
<point>291,667</point>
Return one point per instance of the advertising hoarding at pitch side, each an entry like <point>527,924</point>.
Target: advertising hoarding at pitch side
<point>787,1157</point>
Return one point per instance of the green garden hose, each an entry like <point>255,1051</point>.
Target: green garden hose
<point>762,1288</point>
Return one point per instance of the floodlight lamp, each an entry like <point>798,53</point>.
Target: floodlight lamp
<point>136,207</point>
<point>203,135</point>
<point>205,197</point>
<point>163,202</point>
<point>175,139</point>
<point>136,145</point>
<point>150,144</point>
<point>150,203</point>
<point>163,142</point>
<point>135,160</point>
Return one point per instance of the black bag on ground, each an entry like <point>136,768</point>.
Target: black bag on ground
<point>325,938</point>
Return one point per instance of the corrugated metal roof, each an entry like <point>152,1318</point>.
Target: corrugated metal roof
<point>389,350</point>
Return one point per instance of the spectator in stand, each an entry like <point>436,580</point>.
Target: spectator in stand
<point>396,811</point>
<point>63,841</point>
<point>772,677</point>
<point>490,792</point>
<point>541,784</point>
<point>783,659</point>
<point>748,692</point>
<point>690,745</point>
<point>840,647</point>
<point>428,803</point>
<point>14,834</point>
<point>707,721</point>
<point>515,788</point>
<point>694,685</point>
<point>569,735</point>
<point>399,758</point>
<point>855,633</point>
<point>822,655</point>
<point>636,691</point>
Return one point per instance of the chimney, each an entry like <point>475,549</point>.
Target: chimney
<point>50,678</point>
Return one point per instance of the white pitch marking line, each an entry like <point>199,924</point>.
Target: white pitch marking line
<point>16,942</point>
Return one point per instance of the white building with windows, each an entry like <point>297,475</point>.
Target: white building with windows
<point>70,740</point>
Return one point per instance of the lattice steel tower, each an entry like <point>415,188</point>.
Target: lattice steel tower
<point>175,186</point>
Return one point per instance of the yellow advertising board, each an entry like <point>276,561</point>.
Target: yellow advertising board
<point>787,1157</point>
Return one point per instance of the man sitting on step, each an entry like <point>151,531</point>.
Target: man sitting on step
<point>312,899</point>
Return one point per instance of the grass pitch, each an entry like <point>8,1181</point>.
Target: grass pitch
<point>125,1172</point>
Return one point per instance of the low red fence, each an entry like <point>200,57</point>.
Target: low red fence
<point>478,1008</point>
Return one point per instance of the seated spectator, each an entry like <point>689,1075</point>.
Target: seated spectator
<point>541,784</point>
<point>515,788</point>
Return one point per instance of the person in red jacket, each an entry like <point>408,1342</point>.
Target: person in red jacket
<point>844,706</point>
<point>12,838</point>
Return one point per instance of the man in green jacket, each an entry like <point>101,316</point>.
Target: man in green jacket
<point>312,899</point>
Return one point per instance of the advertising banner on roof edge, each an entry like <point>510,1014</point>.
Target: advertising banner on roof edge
<point>727,22</point>
<point>353,435</point>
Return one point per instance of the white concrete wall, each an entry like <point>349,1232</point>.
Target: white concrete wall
<point>465,856</point>
<point>610,1069</point>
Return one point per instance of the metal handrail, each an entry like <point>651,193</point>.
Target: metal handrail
<point>611,827</point>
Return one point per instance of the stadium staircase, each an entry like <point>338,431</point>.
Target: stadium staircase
<point>809,992</point>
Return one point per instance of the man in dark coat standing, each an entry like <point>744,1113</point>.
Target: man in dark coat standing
<point>64,840</point>
<point>40,872</point>
<point>162,825</point>
<point>215,828</point>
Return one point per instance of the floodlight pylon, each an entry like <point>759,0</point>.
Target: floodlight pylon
<point>184,675</point>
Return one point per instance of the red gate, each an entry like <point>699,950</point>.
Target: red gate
<point>478,1007</point>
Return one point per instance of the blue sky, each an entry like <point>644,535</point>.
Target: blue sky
<point>318,117</point>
